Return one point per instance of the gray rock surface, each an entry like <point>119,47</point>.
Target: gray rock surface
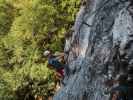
<point>101,47</point>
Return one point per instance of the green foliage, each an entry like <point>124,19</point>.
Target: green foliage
<point>6,16</point>
<point>27,28</point>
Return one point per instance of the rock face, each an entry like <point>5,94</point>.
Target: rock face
<point>100,48</point>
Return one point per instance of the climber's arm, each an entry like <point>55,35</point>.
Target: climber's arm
<point>60,56</point>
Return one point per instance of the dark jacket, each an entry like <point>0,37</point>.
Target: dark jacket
<point>53,61</point>
<point>122,90</point>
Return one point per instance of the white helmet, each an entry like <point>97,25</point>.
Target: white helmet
<point>46,53</point>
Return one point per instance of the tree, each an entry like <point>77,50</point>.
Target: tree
<point>27,28</point>
<point>100,49</point>
<point>6,16</point>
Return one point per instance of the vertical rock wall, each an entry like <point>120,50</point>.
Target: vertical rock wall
<point>101,47</point>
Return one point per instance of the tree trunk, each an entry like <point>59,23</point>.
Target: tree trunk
<point>101,48</point>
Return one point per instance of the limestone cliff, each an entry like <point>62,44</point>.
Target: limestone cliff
<point>100,48</point>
